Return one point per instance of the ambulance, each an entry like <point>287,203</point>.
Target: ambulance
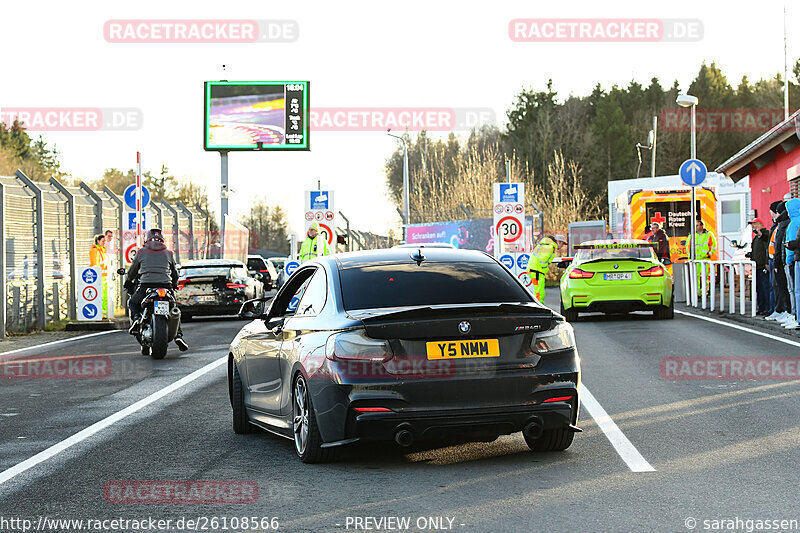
<point>724,208</point>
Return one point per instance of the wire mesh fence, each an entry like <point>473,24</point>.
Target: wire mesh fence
<point>47,231</point>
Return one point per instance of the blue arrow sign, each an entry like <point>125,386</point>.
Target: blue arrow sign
<point>90,311</point>
<point>693,172</point>
<point>507,260</point>
<point>130,196</point>
<point>290,267</point>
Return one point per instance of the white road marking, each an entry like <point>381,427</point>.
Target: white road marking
<point>737,326</point>
<point>615,436</point>
<point>79,337</point>
<point>106,422</point>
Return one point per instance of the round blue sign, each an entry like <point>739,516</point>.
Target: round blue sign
<point>507,260</point>
<point>290,267</point>
<point>522,261</point>
<point>130,196</point>
<point>693,172</point>
<point>89,276</point>
<point>90,311</point>
<point>293,303</point>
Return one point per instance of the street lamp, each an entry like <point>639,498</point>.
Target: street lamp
<point>686,100</point>
<point>405,184</point>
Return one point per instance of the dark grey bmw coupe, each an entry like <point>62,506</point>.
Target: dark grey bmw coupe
<point>410,345</point>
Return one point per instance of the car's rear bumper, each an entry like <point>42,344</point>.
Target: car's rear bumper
<point>617,298</point>
<point>475,422</point>
<point>431,405</point>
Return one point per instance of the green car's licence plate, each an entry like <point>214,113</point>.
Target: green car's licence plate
<point>617,275</point>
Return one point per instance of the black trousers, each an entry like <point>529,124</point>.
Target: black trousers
<point>781,288</point>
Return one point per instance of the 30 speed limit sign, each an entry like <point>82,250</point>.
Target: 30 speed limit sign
<point>509,228</point>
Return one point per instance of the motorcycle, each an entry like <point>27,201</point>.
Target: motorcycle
<point>159,323</point>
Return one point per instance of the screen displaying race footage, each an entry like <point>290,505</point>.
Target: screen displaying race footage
<point>256,115</point>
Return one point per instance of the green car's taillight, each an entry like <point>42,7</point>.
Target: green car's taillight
<point>577,273</point>
<point>654,272</point>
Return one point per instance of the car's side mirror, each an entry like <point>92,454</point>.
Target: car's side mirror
<point>666,261</point>
<point>121,271</point>
<point>565,262</point>
<point>275,324</point>
<point>258,275</point>
<point>252,309</point>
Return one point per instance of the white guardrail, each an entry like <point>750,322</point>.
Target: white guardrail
<point>710,272</point>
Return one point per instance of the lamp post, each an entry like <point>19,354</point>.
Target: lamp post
<point>405,185</point>
<point>685,100</point>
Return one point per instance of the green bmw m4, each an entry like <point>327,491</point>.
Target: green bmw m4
<point>615,276</point>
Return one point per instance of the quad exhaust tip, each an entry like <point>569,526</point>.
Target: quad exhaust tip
<point>533,429</point>
<point>404,438</point>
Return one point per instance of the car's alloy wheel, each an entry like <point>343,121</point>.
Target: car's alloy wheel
<point>307,439</point>
<point>300,424</point>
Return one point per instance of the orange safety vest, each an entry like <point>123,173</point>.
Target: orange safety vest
<point>772,245</point>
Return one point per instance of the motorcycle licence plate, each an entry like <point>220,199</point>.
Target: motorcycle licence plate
<point>161,308</point>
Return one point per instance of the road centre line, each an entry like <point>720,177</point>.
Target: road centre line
<point>106,422</point>
<point>626,450</point>
<point>742,328</point>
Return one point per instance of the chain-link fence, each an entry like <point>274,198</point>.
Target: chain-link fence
<point>46,232</point>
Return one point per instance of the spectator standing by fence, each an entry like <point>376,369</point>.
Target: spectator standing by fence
<point>758,253</point>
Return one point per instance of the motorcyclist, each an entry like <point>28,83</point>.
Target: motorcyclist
<point>152,268</point>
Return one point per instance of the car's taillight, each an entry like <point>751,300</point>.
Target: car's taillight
<point>237,285</point>
<point>577,273</point>
<point>373,410</point>
<point>652,272</point>
<point>558,399</point>
<point>356,346</point>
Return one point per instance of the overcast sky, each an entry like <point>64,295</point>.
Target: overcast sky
<point>432,53</point>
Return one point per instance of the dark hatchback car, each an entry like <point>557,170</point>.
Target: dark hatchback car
<point>409,345</point>
<point>258,265</point>
<point>214,287</point>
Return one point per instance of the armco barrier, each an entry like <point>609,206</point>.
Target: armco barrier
<point>46,232</point>
<point>705,285</point>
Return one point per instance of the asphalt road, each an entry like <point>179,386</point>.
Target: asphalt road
<point>718,449</point>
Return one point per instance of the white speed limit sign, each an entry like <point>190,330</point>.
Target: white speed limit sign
<point>509,228</point>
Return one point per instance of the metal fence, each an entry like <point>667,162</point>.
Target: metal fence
<point>705,284</point>
<point>46,232</point>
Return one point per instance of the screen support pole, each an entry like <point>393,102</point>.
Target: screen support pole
<point>223,193</point>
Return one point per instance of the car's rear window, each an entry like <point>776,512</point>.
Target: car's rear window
<point>255,263</point>
<point>397,285</point>
<point>195,272</point>
<point>640,252</point>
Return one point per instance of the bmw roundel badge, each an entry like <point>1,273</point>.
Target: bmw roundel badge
<point>464,327</point>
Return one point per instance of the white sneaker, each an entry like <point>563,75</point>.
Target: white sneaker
<point>791,324</point>
<point>773,316</point>
<point>783,318</point>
